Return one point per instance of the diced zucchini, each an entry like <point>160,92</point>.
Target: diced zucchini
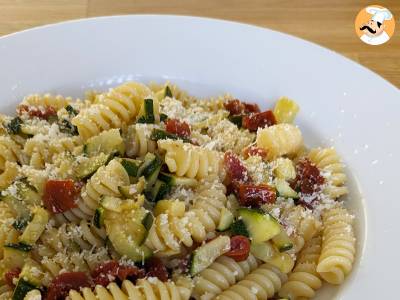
<point>14,126</point>
<point>283,261</point>
<point>163,117</point>
<point>261,226</point>
<point>131,191</point>
<point>22,288</point>
<point>285,110</point>
<point>205,255</point>
<point>28,193</point>
<point>67,127</point>
<point>107,142</point>
<point>21,223</point>
<point>225,220</point>
<point>71,111</point>
<point>157,192</point>
<point>131,166</point>
<point>174,180</point>
<point>32,273</point>
<point>14,255</point>
<point>88,167</point>
<point>146,114</point>
<point>263,251</point>
<point>236,119</point>
<point>164,92</point>
<point>98,218</point>
<point>35,227</point>
<point>167,92</point>
<point>125,191</point>
<point>284,189</point>
<point>284,168</point>
<point>282,241</point>
<point>112,203</point>
<point>126,237</point>
<point>239,228</point>
<point>159,134</point>
<point>174,208</point>
<point>148,221</point>
<point>150,165</point>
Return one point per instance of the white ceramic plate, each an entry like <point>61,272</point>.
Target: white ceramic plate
<point>341,102</point>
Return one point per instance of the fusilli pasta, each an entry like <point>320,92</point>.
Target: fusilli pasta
<point>138,141</point>
<point>338,246</point>
<point>188,160</point>
<point>55,101</point>
<point>329,162</point>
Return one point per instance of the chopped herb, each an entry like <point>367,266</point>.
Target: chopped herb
<point>14,127</point>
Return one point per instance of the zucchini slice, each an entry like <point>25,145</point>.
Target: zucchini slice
<point>32,272</point>
<point>282,241</point>
<point>239,228</point>
<point>149,166</point>
<point>131,166</point>
<point>88,167</point>
<point>157,192</point>
<point>23,287</point>
<point>205,255</point>
<point>159,134</point>
<point>126,236</point>
<point>98,218</point>
<point>225,220</point>
<point>35,227</point>
<point>236,119</point>
<point>174,180</point>
<point>146,114</point>
<point>284,189</point>
<point>107,142</point>
<point>14,255</point>
<point>261,226</point>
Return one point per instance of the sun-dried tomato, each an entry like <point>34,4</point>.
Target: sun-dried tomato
<point>10,275</point>
<point>258,120</point>
<point>155,268</point>
<point>180,128</point>
<point>308,182</point>
<point>253,151</point>
<point>240,248</point>
<point>256,195</point>
<point>63,283</point>
<point>60,195</point>
<point>42,113</point>
<point>235,168</point>
<point>111,270</point>
<point>236,107</point>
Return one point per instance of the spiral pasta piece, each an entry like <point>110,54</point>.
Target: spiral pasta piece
<point>191,161</point>
<point>5,292</point>
<point>10,151</point>
<point>145,289</point>
<point>280,139</point>
<point>138,141</point>
<point>71,247</point>
<point>328,161</point>
<point>220,275</point>
<point>9,174</point>
<point>112,109</point>
<point>262,283</point>
<point>168,232</point>
<point>104,182</point>
<point>304,279</point>
<point>55,101</point>
<point>338,245</point>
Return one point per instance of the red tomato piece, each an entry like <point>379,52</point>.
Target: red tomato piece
<point>177,127</point>
<point>110,270</point>
<point>235,168</point>
<point>256,195</point>
<point>253,150</point>
<point>253,121</point>
<point>235,107</point>
<point>10,275</point>
<point>240,248</point>
<point>45,113</point>
<point>156,268</point>
<point>308,179</point>
<point>60,195</point>
<point>63,283</point>
<point>250,108</point>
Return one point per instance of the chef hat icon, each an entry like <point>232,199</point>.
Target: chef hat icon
<point>379,14</point>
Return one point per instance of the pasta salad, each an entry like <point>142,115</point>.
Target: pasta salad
<point>146,192</point>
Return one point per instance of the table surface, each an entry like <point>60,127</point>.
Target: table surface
<point>329,23</point>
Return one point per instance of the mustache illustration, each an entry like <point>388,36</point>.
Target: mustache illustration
<point>368,28</point>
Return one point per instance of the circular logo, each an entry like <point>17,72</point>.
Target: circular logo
<point>374,25</point>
